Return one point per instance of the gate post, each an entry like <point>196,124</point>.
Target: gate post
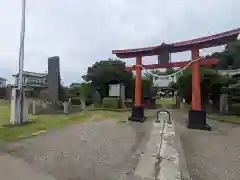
<point>197,116</point>
<point>138,108</point>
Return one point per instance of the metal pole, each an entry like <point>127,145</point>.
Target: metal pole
<point>21,60</point>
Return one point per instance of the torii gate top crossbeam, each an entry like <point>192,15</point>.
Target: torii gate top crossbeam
<point>200,43</point>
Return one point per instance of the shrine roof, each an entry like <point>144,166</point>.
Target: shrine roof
<point>204,42</point>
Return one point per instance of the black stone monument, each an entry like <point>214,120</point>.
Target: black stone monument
<point>53,80</point>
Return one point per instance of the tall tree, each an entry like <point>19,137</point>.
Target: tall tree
<point>151,74</point>
<point>226,60</point>
<point>211,82</point>
<point>82,91</point>
<point>230,57</point>
<point>106,72</point>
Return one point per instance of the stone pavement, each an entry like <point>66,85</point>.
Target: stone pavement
<point>13,168</point>
<point>107,150</point>
<point>96,150</point>
<point>211,155</point>
<point>162,158</point>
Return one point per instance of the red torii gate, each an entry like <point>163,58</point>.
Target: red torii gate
<point>197,117</point>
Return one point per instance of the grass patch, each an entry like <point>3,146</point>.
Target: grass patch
<point>110,109</point>
<point>45,122</point>
<point>165,101</point>
<point>4,114</point>
<point>40,123</point>
<point>226,118</point>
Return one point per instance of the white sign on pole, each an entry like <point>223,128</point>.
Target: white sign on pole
<point>114,90</point>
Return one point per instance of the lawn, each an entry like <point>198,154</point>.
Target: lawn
<point>45,122</point>
<point>4,114</point>
<point>226,118</point>
<point>165,101</point>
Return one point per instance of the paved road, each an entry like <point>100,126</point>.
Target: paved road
<point>103,150</point>
<point>211,155</point>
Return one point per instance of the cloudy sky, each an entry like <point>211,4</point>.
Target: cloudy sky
<point>84,31</point>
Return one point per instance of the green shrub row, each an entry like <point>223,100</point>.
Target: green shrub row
<point>77,101</point>
<point>111,103</point>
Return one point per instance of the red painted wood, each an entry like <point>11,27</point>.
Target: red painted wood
<point>204,42</point>
<point>205,61</point>
<point>196,86</point>
<point>138,82</point>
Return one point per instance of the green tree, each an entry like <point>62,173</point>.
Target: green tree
<point>230,57</point>
<point>74,90</point>
<point>226,60</point>
<point>62,93</point>
<point>214,55</point>
<point>106,72</point>
<point>234,49</point>
<point>211,82</point>
<point>150,74</point>
<point>82,91</point>
<point>96,98</point>
<point>170,71</point>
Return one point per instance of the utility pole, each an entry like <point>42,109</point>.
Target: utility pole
<point>21,60</point>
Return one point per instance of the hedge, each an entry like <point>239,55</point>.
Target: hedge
<point>77,101</point>
<point>111,103</point>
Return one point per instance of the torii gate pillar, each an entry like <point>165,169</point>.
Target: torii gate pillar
<point>138,107</point>
<point>197,116</point>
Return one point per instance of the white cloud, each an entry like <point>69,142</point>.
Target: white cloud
<point>84,31</point>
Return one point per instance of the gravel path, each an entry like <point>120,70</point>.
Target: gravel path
<point>103,150</point>
<point>211,155</point>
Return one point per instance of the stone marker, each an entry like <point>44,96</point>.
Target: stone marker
<point>53,80</point>
<point>33,106</point>
<point>65,107</point>
<point>224,105</point>
<point>122,96</point>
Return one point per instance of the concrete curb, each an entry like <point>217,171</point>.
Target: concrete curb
<point>182,160</point>
<point>145,166</point>
<point>171,164</point>
<point>31,135</point>
<point>169,155</point>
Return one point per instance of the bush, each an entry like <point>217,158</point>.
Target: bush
<point>235,109</point>
<point>112,103</point>
<point>88,101</point>
<point>76,101</point>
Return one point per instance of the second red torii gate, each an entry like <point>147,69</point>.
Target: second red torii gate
<point>197,116</point>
